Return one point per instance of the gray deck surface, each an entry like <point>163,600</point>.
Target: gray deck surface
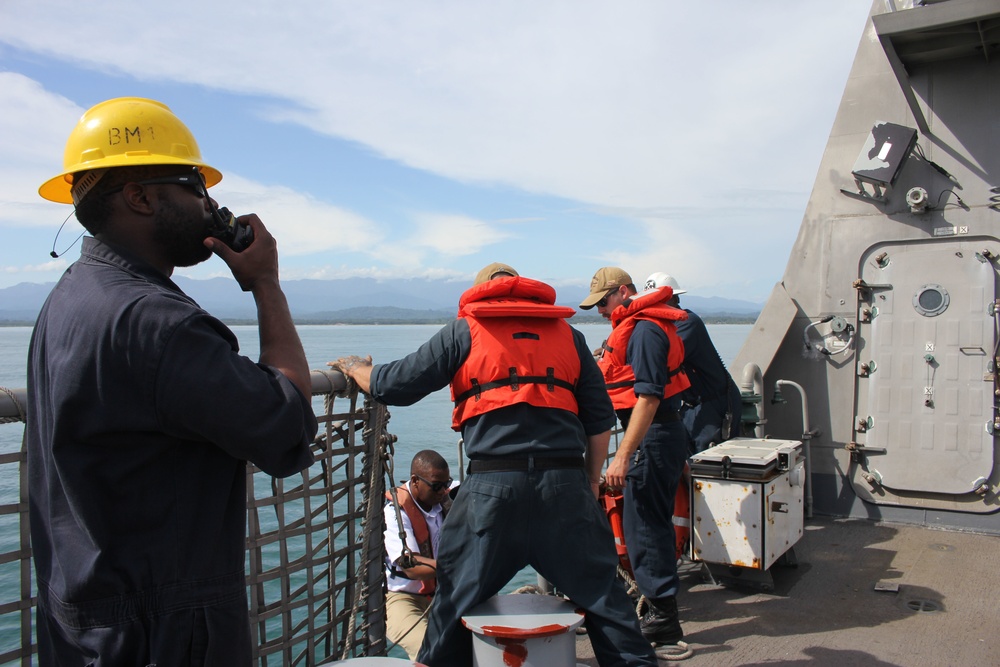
<point>827,611</point>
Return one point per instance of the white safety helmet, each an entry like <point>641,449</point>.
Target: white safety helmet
<point>661,279</point>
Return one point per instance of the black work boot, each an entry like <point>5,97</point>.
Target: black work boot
<point>660,624</point>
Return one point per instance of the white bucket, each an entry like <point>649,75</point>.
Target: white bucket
<point>524,631</point>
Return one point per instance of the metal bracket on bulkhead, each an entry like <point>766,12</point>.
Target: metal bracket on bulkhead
<point>858,451</point>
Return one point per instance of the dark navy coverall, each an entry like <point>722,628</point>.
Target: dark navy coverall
<point>712,394</point>
<point>142,416</point>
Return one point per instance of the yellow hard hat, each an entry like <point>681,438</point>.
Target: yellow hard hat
<point>125,132</point>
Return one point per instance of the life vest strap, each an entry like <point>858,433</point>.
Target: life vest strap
<point>672,373</point>
<point>620,385</point>
<point>514,381</point>
<point>631,383</point>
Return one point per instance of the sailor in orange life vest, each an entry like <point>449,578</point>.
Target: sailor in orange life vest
<point>712,405</point>
<point>536,419</point>
<point>423,504</point>
<point>642,368</point>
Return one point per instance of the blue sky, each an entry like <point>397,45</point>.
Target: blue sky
<point>405,139</point>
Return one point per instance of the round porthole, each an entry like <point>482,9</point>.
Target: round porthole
<point>931,300</point>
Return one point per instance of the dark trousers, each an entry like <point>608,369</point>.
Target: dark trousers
<point>647,517</point>
<point>190,637</point>
<point>501,522</point>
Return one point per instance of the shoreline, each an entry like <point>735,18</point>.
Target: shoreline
<point>708,319</point>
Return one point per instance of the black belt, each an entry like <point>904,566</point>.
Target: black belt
<point>664,418</point>
<point>667,418</point>
<point>526,464</point>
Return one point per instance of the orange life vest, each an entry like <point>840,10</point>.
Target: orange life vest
<point>618,376</point>
<point>421,532</point>
<point>522,350</point>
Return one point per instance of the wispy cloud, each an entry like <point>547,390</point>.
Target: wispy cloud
<point>639,109</point>
<point>627,104</point>
<point>31,153</point>
<point>28,269</point>
<point>455,234</point>
<point>301,223</point>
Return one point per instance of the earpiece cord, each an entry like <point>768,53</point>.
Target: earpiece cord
<point>57,255</point>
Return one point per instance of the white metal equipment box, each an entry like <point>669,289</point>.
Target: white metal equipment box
<point>747,502</point>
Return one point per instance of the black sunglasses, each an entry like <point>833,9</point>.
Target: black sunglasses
<point>604,302</point>
<point>193,179</point>
<point>436,487</point>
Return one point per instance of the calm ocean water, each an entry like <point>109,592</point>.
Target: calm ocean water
<point>425,425</point>
<point>421,426</point>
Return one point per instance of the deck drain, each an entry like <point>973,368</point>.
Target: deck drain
<point>941,547</point>
<point>923,606</point>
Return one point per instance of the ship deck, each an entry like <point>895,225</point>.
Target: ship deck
<point>862,593</point>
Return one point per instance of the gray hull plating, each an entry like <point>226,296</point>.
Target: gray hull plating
<point>886,313</point>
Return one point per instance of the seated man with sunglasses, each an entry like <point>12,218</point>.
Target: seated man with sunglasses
<point>143,412</point>
<point>411,573</point>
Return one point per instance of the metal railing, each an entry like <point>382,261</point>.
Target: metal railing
<point>315,575</point>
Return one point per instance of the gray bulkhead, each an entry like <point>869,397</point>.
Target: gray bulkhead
<point>886,311</point>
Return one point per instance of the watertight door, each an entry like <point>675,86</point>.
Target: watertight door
<point>925,377</point>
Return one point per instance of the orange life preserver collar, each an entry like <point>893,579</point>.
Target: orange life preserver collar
<point>521,342</point>
<point>618,377</point>
<point>652,302</point>
<point>511,296</point>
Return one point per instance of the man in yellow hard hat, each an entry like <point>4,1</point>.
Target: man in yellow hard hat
<point>143,413</point>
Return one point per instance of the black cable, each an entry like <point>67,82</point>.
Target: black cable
<point>957,199</point>
<point>57,255</point>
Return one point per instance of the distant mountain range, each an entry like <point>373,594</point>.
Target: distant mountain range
<point>354,300</point>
